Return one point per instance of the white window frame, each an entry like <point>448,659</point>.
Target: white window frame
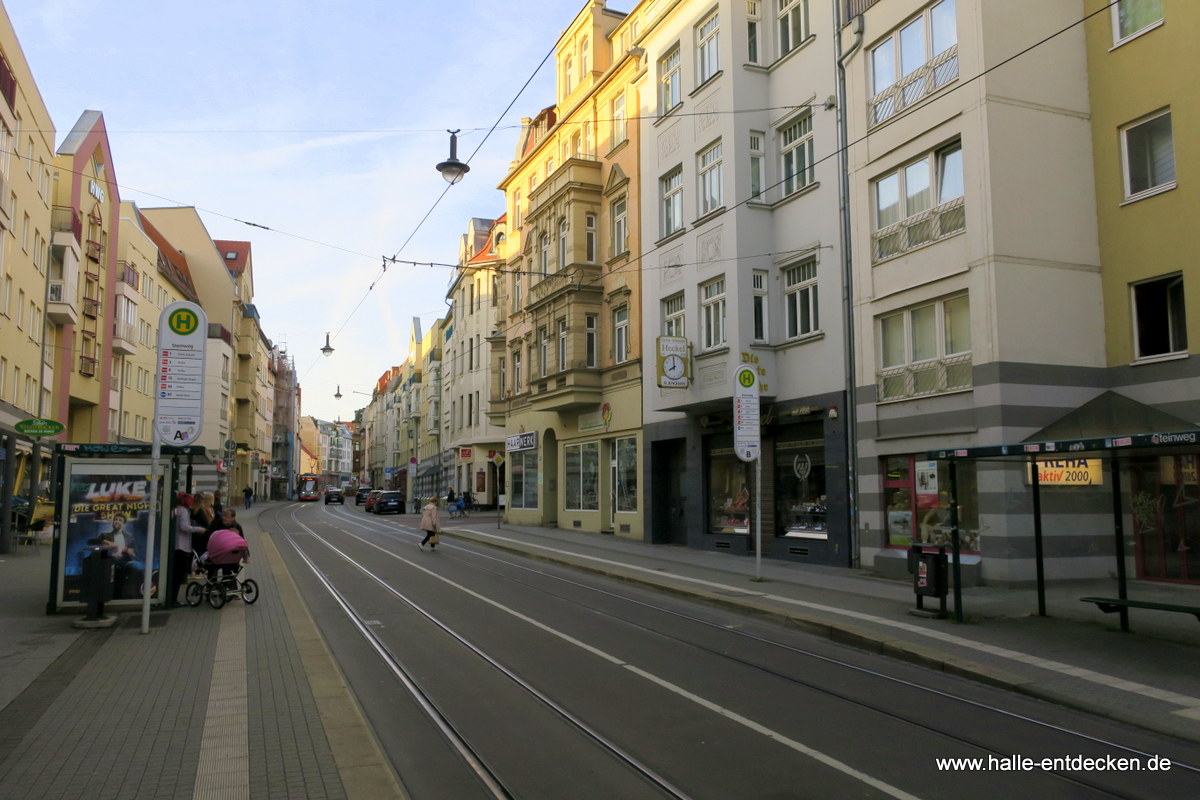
<point>760,328</point>
<point>922,215</point>
<point>562,344</point>
<point>589,238</point>
<point>620,131</point>
<point>590,345</point>
<point>800,300</point>
<point>621,334</point>
<point>710,177</point>
<point>516,362</point>
<point>620,225</point>
<point>935,34</point>
<point>793,27</point>
<point>708,48</point>
<point>517,290</point>
<point>544,254</point>
<point>563,231</point>
<point>1170,314</point>
<point>674,315</point>
<point>713,331</point>
<point>796,159</point>
<point>753,31</point>
<point>671,202</point>
<point>945,368</point>
<point>1151,162</point>
<point>1150,6</point>
<point>670,77</point>
<point>758,164</point>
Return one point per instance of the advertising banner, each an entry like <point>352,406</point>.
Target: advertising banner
<point>107,506</point>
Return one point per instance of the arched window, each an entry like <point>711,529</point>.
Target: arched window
<point>562,243</point>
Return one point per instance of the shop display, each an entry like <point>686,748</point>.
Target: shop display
<point>808,520</point>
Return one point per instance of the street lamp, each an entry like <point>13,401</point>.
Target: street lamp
<point>338,394</point>
<point>327,350</point>
<point>452,169</point>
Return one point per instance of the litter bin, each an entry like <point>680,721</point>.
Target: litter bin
<point>930,569</point>
<point>97,581</point>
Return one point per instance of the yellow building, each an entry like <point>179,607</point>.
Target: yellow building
<point>31,251</point>
<point>567,358</point>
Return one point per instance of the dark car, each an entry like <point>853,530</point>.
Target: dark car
<point>334,496</point>
<point>372,497</point>
<point>389,501</point>
<point>361,495</point>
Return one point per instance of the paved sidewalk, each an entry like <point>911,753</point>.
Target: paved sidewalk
<point>241,702</point>
<point>1075,656</point>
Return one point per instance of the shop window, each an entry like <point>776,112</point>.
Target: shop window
<point>625,474</point>
<point>916,497</point>
<point>524,470</point>
<point>730,483</point>
<point>801,505</point>
<point>581,476</point>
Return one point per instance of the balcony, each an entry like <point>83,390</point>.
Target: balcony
<point>128,280</point>
<point>87,366</point>
<point>64,219</point>
<point>94,250</point>
<point>578,174</point>
<point>124,341</point>
<point>920,229</point>
<point>61,310</point>
<point>571,389</point>
<point>91,307</point>
<point>577,278</point>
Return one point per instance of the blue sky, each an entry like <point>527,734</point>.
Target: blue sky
<point>320,120</point>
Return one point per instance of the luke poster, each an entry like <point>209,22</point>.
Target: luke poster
<point>108,512</point>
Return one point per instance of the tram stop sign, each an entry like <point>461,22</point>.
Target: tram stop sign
<point>179,373</point>
<point>747,434</point>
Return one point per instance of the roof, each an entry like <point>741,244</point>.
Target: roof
<point>1110,414</point>
<point>175,263</point>
<point>236,255</point>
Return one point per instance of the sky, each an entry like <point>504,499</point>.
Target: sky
<point>321,120</point>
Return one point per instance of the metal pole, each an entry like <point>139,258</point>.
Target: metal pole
<point>758,518</point>
<point>954,541</point>
<point>1119,539</point>
<point>1037,536</point>
<point>151,532</point>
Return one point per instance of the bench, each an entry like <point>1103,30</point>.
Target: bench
<point>1110,605</point>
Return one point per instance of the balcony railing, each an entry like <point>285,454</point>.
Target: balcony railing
<point>129,274</point>
<point>914,87</point>
<point>67,220</point>
<point>91,307</point>
<point>928,226</point>
<point>87,366</point>
<point>925,378</point>
<point>94,250</point>
<point>8,84</point>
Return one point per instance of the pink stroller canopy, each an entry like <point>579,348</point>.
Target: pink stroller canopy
<point>227,547</point>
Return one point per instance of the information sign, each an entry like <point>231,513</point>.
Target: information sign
<point>747,436</point>
<point>179,376</point>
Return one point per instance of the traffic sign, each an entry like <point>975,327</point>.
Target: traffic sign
<point>747,434</point>
<point>179,388</point>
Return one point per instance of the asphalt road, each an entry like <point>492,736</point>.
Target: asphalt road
<point>487,675</point>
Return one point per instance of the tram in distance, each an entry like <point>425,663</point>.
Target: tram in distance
<point>308,486</point>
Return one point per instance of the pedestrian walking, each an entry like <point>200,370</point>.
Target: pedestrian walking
<point>216,503</point>
<point>431,524</point>
<point>450,496</point>
<point>184,530</point>
<point>248,493</point>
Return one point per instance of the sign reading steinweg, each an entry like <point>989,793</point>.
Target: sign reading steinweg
<point>179,373</point>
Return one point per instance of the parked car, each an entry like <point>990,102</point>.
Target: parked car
<point>389,501</point>
<point>334,496</point>
<point>372,497</point>
<point>361,495</point>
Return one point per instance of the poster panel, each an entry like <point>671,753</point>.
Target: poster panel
<point>106,505</point>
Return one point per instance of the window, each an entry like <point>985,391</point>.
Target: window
<point>800,299</point>
<point>621,334</point>
<point>1131,17</point>
<point>517,291</point>
<point>758,155</point>
<point>581,476</point>
<point>708,38</point>
<point>1149,156</point>
<point>589,238</point>
<point>919,203</point>
<point>516,362</point>
<point>544,254</point>
<point>589,340</point>
<point>672,310</point>
<point>517,208</point>
<point>759,285</point>
<point>618,120</point>
<point>568,74</point>
<point>923,53</point>
<point>710,179</point>
<point>793,24</point>
<point>502,375</point>
<point>668,81</point>
<point>562,344</point>
<point>1160,324</point>
<point>752,20</point>
<point>712,314</point>
<point>543,352</point>
<point>562,244</point>
<point>925,350</point>
<point>625,469</point>
<point>524,468</point>
<point>584,56</point>
<point>796,152</point>
<point>671,192</point>
<point>620,229</point>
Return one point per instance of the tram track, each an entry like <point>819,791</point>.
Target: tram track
<point>1071,738</point>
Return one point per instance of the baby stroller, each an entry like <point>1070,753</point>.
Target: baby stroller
<point>218,573</point>
<point>459,508</point>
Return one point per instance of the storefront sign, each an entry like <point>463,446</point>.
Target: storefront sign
<point>674,366</point>
<point>1067,472</point>
<point>521,441</point>
<point>747,436</point>
<point>39,427</point>
<point>465,453</point>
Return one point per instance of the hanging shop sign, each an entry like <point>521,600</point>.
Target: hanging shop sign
<point>39,427</point>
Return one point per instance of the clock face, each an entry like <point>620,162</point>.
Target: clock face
<point>673,367</point>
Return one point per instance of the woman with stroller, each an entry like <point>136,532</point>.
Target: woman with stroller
<point>430,523</point>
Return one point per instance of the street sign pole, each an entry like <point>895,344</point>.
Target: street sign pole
<point>178,416</point>
<point>747,442</point>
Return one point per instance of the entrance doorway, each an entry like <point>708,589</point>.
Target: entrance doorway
<point>669,479</point>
